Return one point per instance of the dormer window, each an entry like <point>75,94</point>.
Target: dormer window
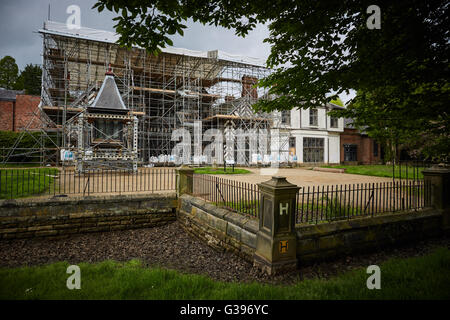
<point>313,117</point>
<point>286,117</point>
<point>333,122</point>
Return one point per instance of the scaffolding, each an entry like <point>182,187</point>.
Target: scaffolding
<point>106,132</point>
<point>166,92</point>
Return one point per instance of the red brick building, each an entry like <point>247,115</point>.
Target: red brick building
<point>17,110</point>
<point>357,147</point>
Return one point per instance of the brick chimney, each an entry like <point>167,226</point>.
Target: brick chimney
<point>247,87</point>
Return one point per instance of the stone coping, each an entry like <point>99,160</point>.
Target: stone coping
<point>335,170</point>
<point>307,231</point>
<point>247,223</point>
<point>33,202</point>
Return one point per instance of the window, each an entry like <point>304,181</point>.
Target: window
<point>286,117</point>
<point>291,142</point>
<point>375,149</point>
<point>313,149</point>
<point>313,117</point>
<point>108,129</point>
<point>333,122</point>
<point>350,152</point>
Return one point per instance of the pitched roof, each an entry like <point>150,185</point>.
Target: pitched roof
<point>108,98</point>
<point>334,106</point>
<point>348,123</point>
<point>9,95</point>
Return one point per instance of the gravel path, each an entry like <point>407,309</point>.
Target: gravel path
<point>304,177</point>
<point>171,247</point>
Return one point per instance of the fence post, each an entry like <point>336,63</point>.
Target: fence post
<point>276,239</point>
<point>437,178</point>
<point>185,180</point>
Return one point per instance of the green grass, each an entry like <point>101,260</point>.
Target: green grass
<point>379,170</point>
<point>335,210</point>
<point>219,170</point>
<point>425,277</point>
<point>331,210</point>
<point>246,207</point>
<point>18,183</point>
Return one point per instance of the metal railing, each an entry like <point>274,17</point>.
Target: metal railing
<point>318,204</point>
<point>29,182</point>
<point>410,169</point>
<point>237,196</point>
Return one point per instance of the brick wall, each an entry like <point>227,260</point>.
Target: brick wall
<point>6,115</point>
<point>21,111</point>
<point>365,145</point>
<point>25,106</point>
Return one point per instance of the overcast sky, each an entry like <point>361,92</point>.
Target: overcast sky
<point>20,20</point>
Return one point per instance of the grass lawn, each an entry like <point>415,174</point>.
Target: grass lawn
<point>219,170</point>
<point>246,207</point>
<point>380,170</point>
<point>18,183</point>
<point>335,210</point>
<point>425,277</point>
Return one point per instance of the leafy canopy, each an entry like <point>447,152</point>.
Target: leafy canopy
<point>31,76</point>
<point>8,72</point>
<point>318,47</point>
<point>28,80</point>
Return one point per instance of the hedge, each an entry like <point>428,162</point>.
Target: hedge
<point>9,138</point>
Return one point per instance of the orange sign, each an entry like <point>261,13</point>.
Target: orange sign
<point>283,246</point>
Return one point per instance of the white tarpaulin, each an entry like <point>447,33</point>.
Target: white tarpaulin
<point>57,28</point>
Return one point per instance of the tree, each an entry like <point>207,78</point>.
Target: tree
<point>318,47</point>
<point>31,76</point>
<point>379,114</point>
<point>373,113</point>
<point>8,72</point>
<point>18,85</point>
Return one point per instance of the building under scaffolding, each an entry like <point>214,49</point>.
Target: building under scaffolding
<point>172,90</point>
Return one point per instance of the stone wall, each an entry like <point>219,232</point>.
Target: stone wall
<point>325,241</point>
<point>60,217</point>
<point>220,228</point>
<point>230,231</point>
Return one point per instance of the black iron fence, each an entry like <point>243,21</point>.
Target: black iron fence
<point>237,196</point>
<point>409,169</point>
<point>317,204</point>
<point>18,183</point>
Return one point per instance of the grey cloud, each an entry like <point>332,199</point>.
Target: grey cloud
<point>20,20</point>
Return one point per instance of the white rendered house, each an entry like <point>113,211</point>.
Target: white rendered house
<point>310,135</point>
